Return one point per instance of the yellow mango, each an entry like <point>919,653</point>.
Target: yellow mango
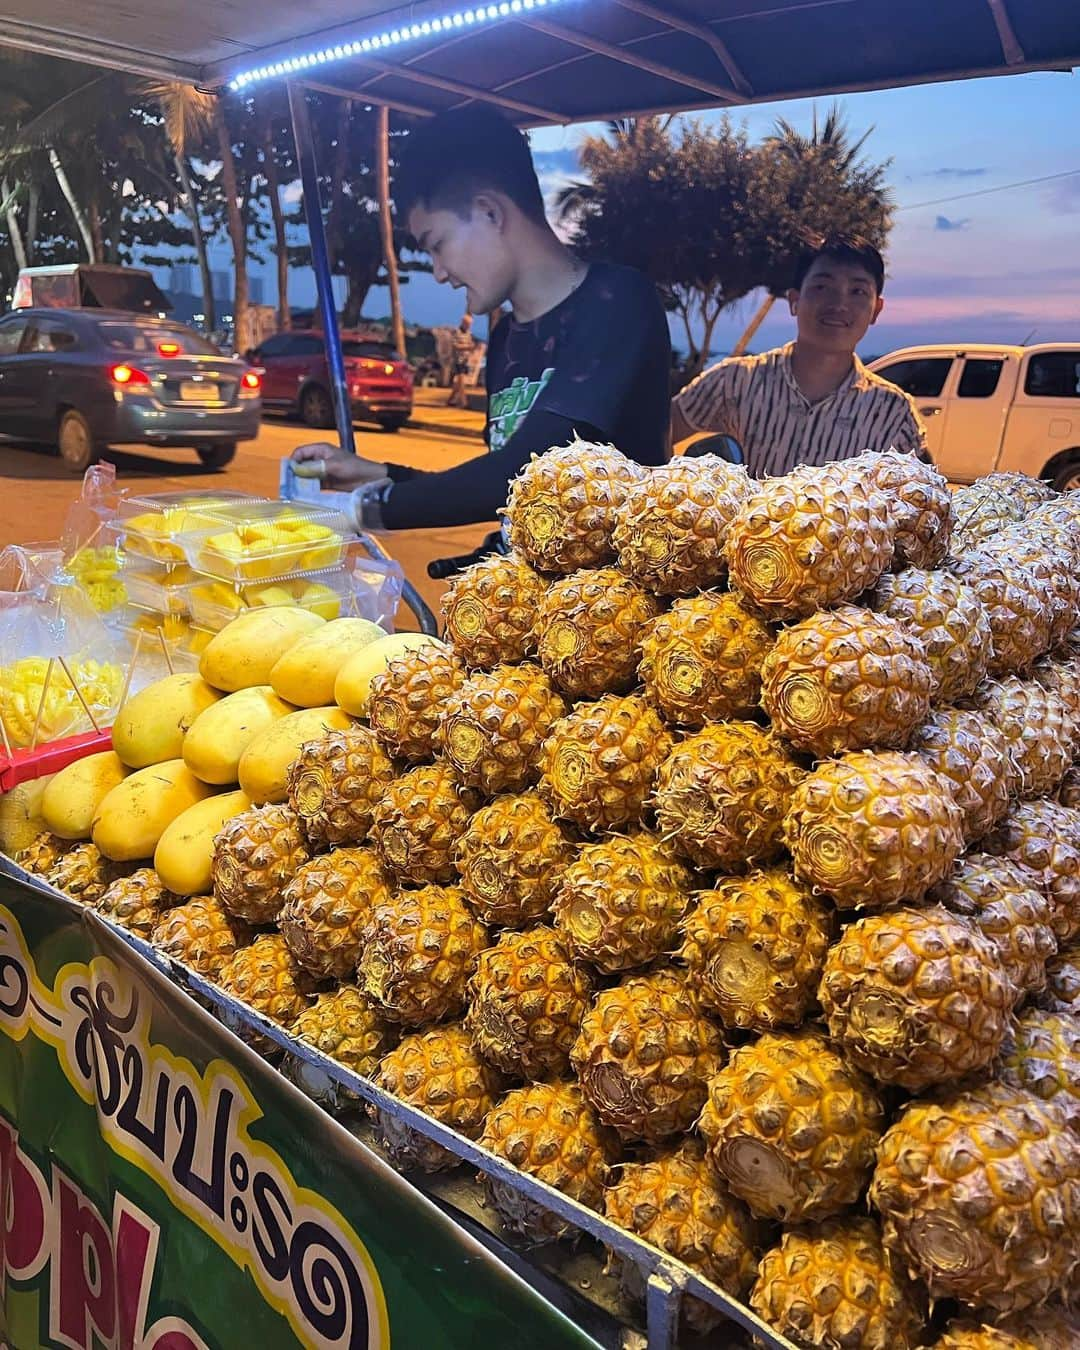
<point>21,820</point>
<point>220,735</point>
<point>305,675</point>
<point>244,652</point>
<point>264,765</point>
<point>136,813</point>
<point>73,796</point>
<point>185,850</point>
<point>151,726</point>
<point>353,683</point>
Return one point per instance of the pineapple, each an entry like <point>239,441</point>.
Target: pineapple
<point>949,620</point>
<point>916,997</point>
<point>599,763</point>
<point>137,902</point>
<point>676,1203</point>
<point>755,949</point>
<point>872,830</point>
<point>256,855</point>
<point>439,1073</point>
<point>644,1056</point>
<point>511,858</point>
<point>489,611</point>
<point>416,825</point>
<point>791,1127</point>
<point>1016,607</point>
<point>1060,673</point>
<point>671,527</point>
<point>836,1288</point>
<point>848,679</point>
<point>722,794</point>
<point>1041,1054</point>
<point>619,902</point>
<point>43,853</point>
<point>548,1131</point>
<point>266,977</point>
<point>1010,490</point>
<point>701,661</point>
<point>1062,992</point>
<point>418,951</point>
<point>492,728</point>
<point>814,538</point>
<point>1045,837</point>
<point>1033,1329</point>
<point>983,509</point>
<point>336,782</point>
<point>979,1195</point>
<point>326,905</point>
<point>84,874</point>
<point>406,701</point>
<point>526,1002</point>
<point>1004,902</point>
<point>973,756</point>
<point>563,505</point>
<point>1069,793</point>
<point>1041,733</point>
<point>589,627</point>
<point>1052,562</point>
<point>201,934</point>
<point>920,504</point>
<point>345,1026</point>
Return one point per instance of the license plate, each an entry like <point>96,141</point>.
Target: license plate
<point>198,391</point>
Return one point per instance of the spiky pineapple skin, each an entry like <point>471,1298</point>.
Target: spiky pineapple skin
<point>137,901</point>
<point>834,1287</point>
<point>418,951</point>
<point>511,858</point>
<point>493,726</point>
<point>548,1131</point>
<point>526,1002</point>
<point>916,997</point>
<point>814,538</point>
<point>979,1195</point>
<point>43,853</point>
<point>561,508</point>
<point>439,1073</point>
<point>266,977</point>
<point>416,825</point>
<point>619,902</point>
<point>406,701</point>
<point>722,794</point>
<point>675,1202</point>
<point>256,854</point>
<point>589,627</point>
<point>1059,671</point>
<point>1041,1054</point>
<point>846,679</point>
<point>1045,837</point>
<point>83,873</point>
<point>1033,1329</point>
<point>701,660</point>
<point>1062,992</point>
<point>968,750</point>
<point>791,1127</point>
<point>1016,607</point>
<point>335,783</point>
<point>872,830</point>
<point>202,934</point>
<point>1036,724</point>
<point>755,948</point>
<point>920,503</point>
<point>672,526</point>
<point>489,611</point>
<point>1053,565</point>
<point>345,1026</point>
<point>599,763</point>
<point>983,509</point>
<point>949,620</point>
<point>326,905</point>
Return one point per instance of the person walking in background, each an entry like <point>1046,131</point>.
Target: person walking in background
<point>461,358</point>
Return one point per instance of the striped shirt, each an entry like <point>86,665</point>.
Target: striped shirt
<point>756,400</point>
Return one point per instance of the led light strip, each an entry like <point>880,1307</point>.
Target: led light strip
<point>394,37</point>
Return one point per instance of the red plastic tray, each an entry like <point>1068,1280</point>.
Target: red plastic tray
<point>23,766</point>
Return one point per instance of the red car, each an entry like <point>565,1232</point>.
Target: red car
<point>296,380</point>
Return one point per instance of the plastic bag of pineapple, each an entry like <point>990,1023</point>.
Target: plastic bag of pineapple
<point>90,552</point>
<point>60,671</point>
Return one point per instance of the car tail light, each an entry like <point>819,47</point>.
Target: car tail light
<point>250,384</point>
<point>168,349</point>
<point>24,296</point>
<point>129,376</point>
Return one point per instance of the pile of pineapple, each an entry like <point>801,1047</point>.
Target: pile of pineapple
<point>722,870</point>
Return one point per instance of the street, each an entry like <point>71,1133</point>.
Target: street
<point>36,491</point>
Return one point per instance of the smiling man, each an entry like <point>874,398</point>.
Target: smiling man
<point>584,351</point>
<point>813,400</point>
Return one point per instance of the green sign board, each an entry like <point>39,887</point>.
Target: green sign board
<point>161,1188</point>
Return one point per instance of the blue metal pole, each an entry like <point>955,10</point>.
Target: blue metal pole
<point>320,261</point>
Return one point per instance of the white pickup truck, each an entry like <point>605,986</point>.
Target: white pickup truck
<point>988,408</point>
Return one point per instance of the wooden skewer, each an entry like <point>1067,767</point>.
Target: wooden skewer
<point>131,669</point>
<point>41,702</point>
<point>79,695</point>
<point>165,649</point>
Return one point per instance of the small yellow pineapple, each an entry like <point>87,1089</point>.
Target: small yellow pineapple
<point>201,934</point>
<point>512,857</point>
<point>416,825</point>
<point>335,783</point>
<point>137,902</point>
<point>327,903</point>
<point>256,855</point>
<point>493,726</point>
<point>406,701</point>
<point>589,627</point>
<point>490,609</point>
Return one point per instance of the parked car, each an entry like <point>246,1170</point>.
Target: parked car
<point>988,408</point>
<point>89,286</point>
<point>82,379</point>
<point>296,379</point>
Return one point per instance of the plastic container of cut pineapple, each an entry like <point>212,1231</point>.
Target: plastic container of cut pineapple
<point>159,588</point>
<point>213,602</point>
<point>160,644</point>
<point>266,541</point>
<point>150,525</point>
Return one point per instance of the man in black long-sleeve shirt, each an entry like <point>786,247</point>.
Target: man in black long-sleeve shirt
<point>585,350</point>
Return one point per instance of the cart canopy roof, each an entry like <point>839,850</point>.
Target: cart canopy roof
<point>558,60</point>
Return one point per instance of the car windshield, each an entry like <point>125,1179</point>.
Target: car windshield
<point>149,339</point>
<point>379,351</point>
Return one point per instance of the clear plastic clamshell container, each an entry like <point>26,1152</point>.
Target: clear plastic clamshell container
<point>266,541</point>
<point>161,643</point>
<point>213,602</point>
<point>149,525</point>
<point>161,588</point>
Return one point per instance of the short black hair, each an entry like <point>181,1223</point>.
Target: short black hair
<point>846,248</point>
<point>447,160</point>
